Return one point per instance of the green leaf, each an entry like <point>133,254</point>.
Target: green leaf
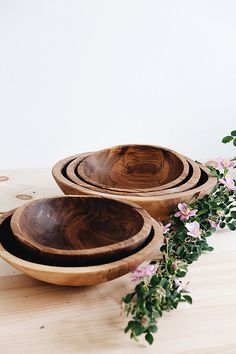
<point>155,280</point>
<point>153,328</point>
<point>222,225</point>
<point>180,251</point>
<point>231,226</point>
<point>233,214</point>
<point>233,133</point>
<point>188,299</point>
<point>139,289</point>
<point>227,139</point>
<point>164,283</point>
<point>149,338</point>
<point>181,273</point>
<point>138,329</point>
<point>129,326</point>
<point>234,142</point>
<point>128,298</point>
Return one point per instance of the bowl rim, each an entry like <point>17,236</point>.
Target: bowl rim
<point>21,236</point>
<point>71,174</point>
<point>156,241</point>
<point>170,184</point>
<point>62,181</point>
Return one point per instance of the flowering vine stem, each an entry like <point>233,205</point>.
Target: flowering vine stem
<point>159,287</point>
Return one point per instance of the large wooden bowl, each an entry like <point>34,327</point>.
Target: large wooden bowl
<point>189,182</point>
<point>159,207</point>
<point>81,230</point>
<point>136,168</point>
<point>75,276</point>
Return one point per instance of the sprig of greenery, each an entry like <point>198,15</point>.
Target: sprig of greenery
<point>231,137</point>
<point>163,290</point>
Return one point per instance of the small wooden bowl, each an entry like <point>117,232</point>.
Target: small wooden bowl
<point>189,182</point>
<point>74,276</point>
<point>136,168</point>
<point>81,230</point>
<point>159,207</point>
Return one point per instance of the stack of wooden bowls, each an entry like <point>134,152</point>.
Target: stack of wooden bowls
<point>78,240</point>
<point>154,177</point>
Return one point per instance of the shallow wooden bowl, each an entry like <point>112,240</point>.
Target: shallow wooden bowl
<point>189,182</point>
<point>159,207</point>
<point>81,230</point>
<point>136,168</point>
<point>74,276</point>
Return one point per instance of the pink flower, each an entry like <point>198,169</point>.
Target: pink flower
<point>166,228</point>
<point>225,164</point>
<point>228,183</point>
<point>142,272</point>
<point>193,229</point>
<point>185,212</point>
<point>213,223</point>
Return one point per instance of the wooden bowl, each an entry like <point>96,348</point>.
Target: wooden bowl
<point>75,276</point>
<point>81,230</point>
<point>136,168</point>
<point>189,182</point>
<point>159,207</point>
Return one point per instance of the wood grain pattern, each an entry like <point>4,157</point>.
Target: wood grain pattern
<point>80,230</point>
<point>37,317</point>
<point>23,260</point>
<point>159,207</point>
<point>189,182</point>
<point>138,168</point>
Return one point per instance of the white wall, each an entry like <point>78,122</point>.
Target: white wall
<point>82,75</point>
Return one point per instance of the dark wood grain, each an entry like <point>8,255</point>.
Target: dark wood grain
<point>12,252</point>
<point>82,230</point>
<point>159,207</point>
<point>137,168</point>
<point>189,182</point>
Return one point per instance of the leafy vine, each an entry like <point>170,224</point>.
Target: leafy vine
<point>159,286</point>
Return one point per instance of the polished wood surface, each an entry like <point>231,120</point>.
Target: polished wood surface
<point>37,317</point>
<point>23,260</point>
<point>189,182</point>
<point>80,230</point>
<point>159,207</point>
<point>138,168</point>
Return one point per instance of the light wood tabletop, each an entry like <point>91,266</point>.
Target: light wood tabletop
<point>41,318</point>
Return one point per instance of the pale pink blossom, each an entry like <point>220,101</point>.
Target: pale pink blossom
<point>166,228</point>
<point>228,183</point>
<point>220,212</point>
<point>225,164</point>
<point>213,223</point>
<point>185,212</point>
<point>145,271</point>
<point>193,229</point>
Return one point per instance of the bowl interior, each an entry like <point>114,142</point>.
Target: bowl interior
<point>131,167</point>
<point>78,223</point>
<point>202,178</point>
<point>10,244</point>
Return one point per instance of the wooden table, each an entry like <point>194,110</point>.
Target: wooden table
<point>36,317</point>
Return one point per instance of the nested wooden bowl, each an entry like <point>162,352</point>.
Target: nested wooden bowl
<point>189,182</point>
<point>12,253</point>
<point>81,230</point>
<point>159,207</point>
<point>136,168</point>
